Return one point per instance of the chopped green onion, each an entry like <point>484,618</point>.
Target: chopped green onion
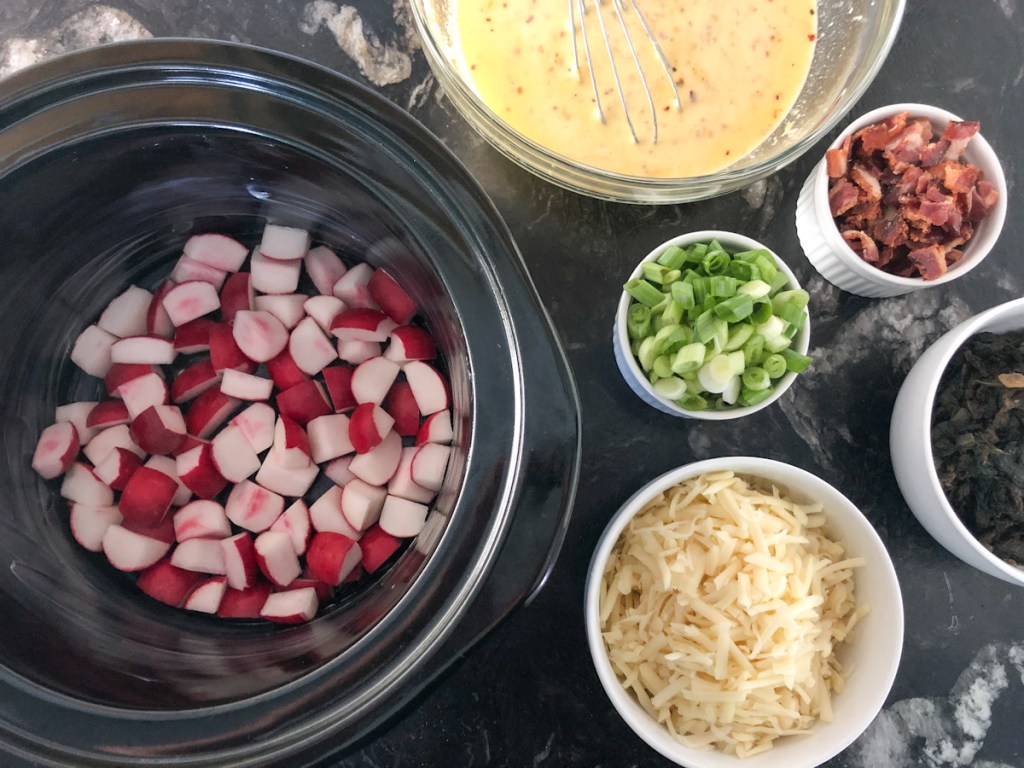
<point>777,343</point>
<point>689,358</point>
<point>735,308</point>
<point>670,338</point>
<point>764,262</point>
<point>779,281</point>
<point>756,378</point>
<point>644,292</point>
<point>646,354</point>
<point>790,313</point>
<point>663,366</point>
<point>671,388</point>
<point>716,262</point>
<point>672,314</point>
<point>749,256</point>
<point>762,313</point>
<point>672,257</point>
<point>697,252</point>
<point>754,396</point>
<point>755,289</point>
<point>753,349</point>
<point>744,270</point>
<point>638,321</point>
<point>722,286</point>
<point>738,335</point>
<point>774,366</point>
<point>682,293</point>
<point>706,327</point>
<point>693,402</point>
<point>795,362</point>
<point>737,362</point>
<point>797,296</point>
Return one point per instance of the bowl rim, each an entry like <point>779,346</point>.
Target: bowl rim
<point>801,344</point>
<point>976,249</point>
<point>651,732</point>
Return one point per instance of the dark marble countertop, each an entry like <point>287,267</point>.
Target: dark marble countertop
<point>527,695</point>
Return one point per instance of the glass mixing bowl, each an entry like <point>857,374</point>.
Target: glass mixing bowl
<point>853,39</point>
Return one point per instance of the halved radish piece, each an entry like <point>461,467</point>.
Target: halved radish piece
<point>105,441</point>
<point>158,429</point>
<point>326,514</point>
<point>338,379</point>
<point>108,413</point>
<point>162,531</point>
<point>155,350</point>
<point>239,561</point>
<point>254,508</point>
<point>245,386</point>
<point>284,371</point>
<point>78,414</point>
<point>188,269</point>
<point>428,387</point>
<point>391,297</point>
<point>194,336</point>
<point>208,411</point>
<point>259,335</point>
<point>377,545</point>
<point>324,268</point>
<point>206,596</point>
<point>147,497</point>
<point>200,556</point>
<point>351,287</point>
<point>291,444</point>
<point>401,405</point>
<point>116,469</point>
<point>367,426</point>
<point>294,521</point>
<point>91,351</point>
<point>428,465</point>
<point>190,300</point>
<point>332,556</point>
<point>284,480</point>
<point>372,380</point>
<point>303,402</point>
<point>80,485</point>
<point>284,243</point>
<point>169,466</point>
<point>355,574</point>
<point>276,557</point>
<point>361,504</point>
<point>361,324</point>
<point>201,519</point>
<point>244,603</point>
<point>236,295</point>
<point>337,470</point>
<point>292,606</point>
<point>357,352</point>
<point>190,442</point>
<point>194,380</point>
<point>286,307</point>
<point>377,465</point>
<point>157,321</point>
<point>436,428</point>
<point>273,276</point>
<point>329,437</point>
<point>310,348</point>
<point>131,551</point>
<point>167,582</point>
<point>218,251</point>
<point>225,353</point>
<point>89,524</point>
<point>126,314</point>
<point>56,450</point>
<point>257,424</point>
<point>142,392</point>
<point>233,456</point>
<point>323,309</point>
<point>198,472</point>
<point>323,590</point>
<point>409,342</point>
<point>120,373</point>
<point>401,517</point>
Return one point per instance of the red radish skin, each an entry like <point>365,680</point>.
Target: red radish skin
<point>284,243</point>
<point>120,373</point>
<point>372,380</point>
<point>130,551</point>
<point>117,468</point>
<point>401,406</point>
<point>354,575</point>
<point>324,268</point>
<point>206,596</point>
<point>225,353</point>
<point>157,321</point>
<point>78,414</point>
<point>193,381</point>
<point>89,524</point>
<point>126,314</point>
<point>158,429</point>
<point>276,558</point>
<point>274,276</point>
<point>377,546</point>
<point>286,307</point>
<point>215,250</point>
<point>191,269</point>
<point>105,441</point>
<point>154,350</point>
<point>82,486</point>
<point>361,504</point>
<point>401,517</point>
<point>56,450</point>
<point>311,350</point>
<point>436,428</point>
<point>246,386</point>
<point>147,497</point>
<point>323,591</point>
<point>92,351</point>
<point>303,402</point>
<point>190,442</point>
<point>166,582</point>
<point>108,413</point>
<point>351,287</point>
<point>361,324</point>
<point>284,372</point>
<point>193,337</point>
<point>323,309</point>
<point>329,437</point>
<point>201,556</point>
<point>338,379</point>
<point>378,465</point>
<point>208,412</point>
<point>356,352</point>
<point>164,531</point>
<point>201,519</point>
<point>259,335</point>
<point>233,456</point>
<point>429,464</point>
<point>367,426</point>
<point>240,561</point>
<point>236,296</point>
<point>244,604</point>
<point>286,481</point>
<point>391,297</point>
<point>169,466</point>
<point>326,514</point>
<point>294,521</point>
<point>337,470</point>
<point>257,424</point>
<point>291,444</point>
<point>332,556</point>
<point>429,387</point>
<point>253,508</point>
<point>198,472</point>
<point>189,301</point>
<point>142,392</point>
<point>409,342</point>
<point>293,606</point>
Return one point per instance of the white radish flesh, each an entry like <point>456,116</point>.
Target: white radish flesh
<point>311,350</point>
<point>276,557</point>
<point>252,507</point>
<point>218,251</point>
<point>142,392</point>
<point>97,449</point>
<point>154,350</point>
<point>323,310</point>
<point>92,351</point>
<point>207,595</point>
<point>78,414</point>
<point>272,276</point>
<point>436,428</point>
<point>259,335</point>
<point>233,455</point>
<point>428,387</point>
<point>200,556</point>
<point>130,551</point>
<point>239,561</point>
<point>402,484</point>
<point>56,450</point>
<point>257,424</point>
<point>327,514</point>
<point>201,519</point>
<point>245,386</point>
<point>329,437</point>
<point>324,268</point>
<point>294,521</point>
<point>378,465</point>
<point>126,314</point>
<point>189,301</point>
<point>401,517</point>
<point>89,524</point>
<point>287,307</point>
<point>284,243</point>
<point>361,504</point>
<point>284,480</point>
<point>293,606</point>
<point>429,464</point>
<point>356,352</point>
<point>191,269</point>
<point>351,287</point>
<point>372,380</point>
<point>337,470</point>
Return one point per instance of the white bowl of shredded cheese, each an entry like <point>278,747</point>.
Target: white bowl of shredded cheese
<point>741,611</point>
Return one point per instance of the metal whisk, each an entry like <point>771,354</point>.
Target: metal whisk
<point>621,7</point>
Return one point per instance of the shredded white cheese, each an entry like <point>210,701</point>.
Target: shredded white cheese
<point>720,607</point>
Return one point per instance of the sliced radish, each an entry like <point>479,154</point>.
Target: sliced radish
<point>303,402</point>
<point>409,342</point>
<point>429,464</point>
<point>56,450</point>
<point>244,603</point>
<point>310,348</point>
<point>284,243</point>
<point>194,336</point>
<point>377,546</point>
<point>130,551</point>
<point>332,556</point>
<point>162,531</point>
<point>294,521</point>
<point>367,426</point>
<point>361,324</point>
<point>169,466</point>
<point>284,372</point>
<point>372,380</point>
<point>121,373</point>
<point>273,276</point>
<point>324,268</point>
<point>254,508</point>
<point>218,251</point>
<point>293,606</point>
<point>257,424</point>
<point>355,574</point>
<point>236,295</point>
<point>190,442</point>
<point>147,497</point>
<point>377,465</point>
<point>436,428</point>
<point>200,556</point>
<point>245,386</point>
<point>401,405</point>
<point>89,524</point>
<point>239,561</point>
<point>323,309</point>
<point>206,596</point>
<point>142,392</point>
<point>259,335</point>
<point>284,480</point>
<point>198,472</point>
<point>361,504</point>
<point>286,307</point>
<point>157,321</point>
<point>158,429</point>
<point>401,517</point>
<point>105,441</point>
<point>117,468</point>
<point>201,519</point>
<point>329,437</point>
<point>167,582</point>
<point>233,456</point>
<point>391,297</point>
<point>357,352</point>
<point>276,557</point>
<point>337,470</point>
<point>351,287</point>
<point>155,350</point>
<point>190,300</point>
<point>428,387</point>
<point>126,315</point>
<point>208,411</point>
<point>327,514</point>
<point>194,380</point>
<point>291,444</point>
<point>188,269</point>
<point>225,353</point>
<point>78,414</point>
<point>92,351</point>
<point>322,590</point>
<point>338,379</point>
<point>108,413</point>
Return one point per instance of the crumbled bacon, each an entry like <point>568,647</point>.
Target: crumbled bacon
<point>904,199</point>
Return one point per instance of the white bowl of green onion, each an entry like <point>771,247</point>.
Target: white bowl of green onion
<point>711,325</point>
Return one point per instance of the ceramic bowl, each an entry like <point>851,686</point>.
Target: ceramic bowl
<point>840,265</point>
